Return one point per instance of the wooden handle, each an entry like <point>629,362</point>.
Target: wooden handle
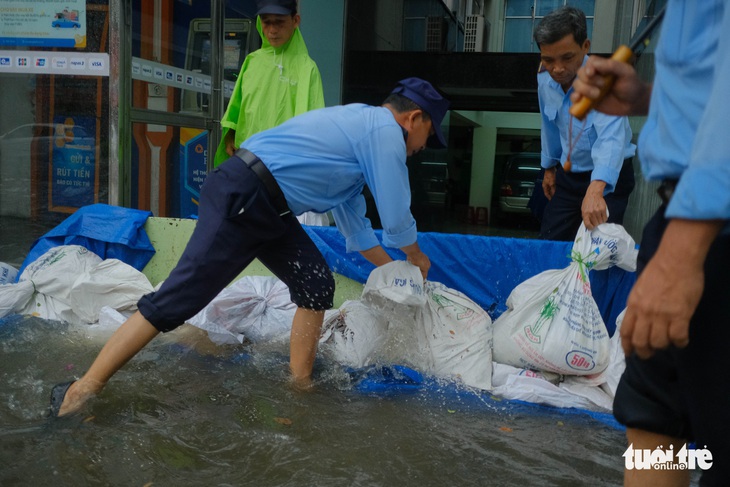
<point>580,110</point>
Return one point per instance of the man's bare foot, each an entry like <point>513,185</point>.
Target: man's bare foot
<point>301,384</point>
<point>76,396</point>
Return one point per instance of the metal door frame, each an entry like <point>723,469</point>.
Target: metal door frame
<point>121,113</point>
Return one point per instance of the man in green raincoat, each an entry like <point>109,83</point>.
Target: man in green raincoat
<point>276,82</point>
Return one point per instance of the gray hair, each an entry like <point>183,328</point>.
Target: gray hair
<point>560,23</point>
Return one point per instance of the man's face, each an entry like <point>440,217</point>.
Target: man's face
<point>278,29</point>
<point>419,130</point>
<point>562,59</point>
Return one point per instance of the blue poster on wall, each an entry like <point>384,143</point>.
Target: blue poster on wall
<point>194,157</point>
<point>73,172</point>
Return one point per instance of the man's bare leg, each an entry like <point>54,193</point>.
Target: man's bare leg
<point>305,333</point>
<point>124,344</point>
<point>667,478</point>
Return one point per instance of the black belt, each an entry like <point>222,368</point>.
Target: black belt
<point>666,189</point>
<point>262,172</point>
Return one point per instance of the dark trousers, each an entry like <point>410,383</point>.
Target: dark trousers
<point>685,392</point>
<point>238,223</point>
<point>562,216</point>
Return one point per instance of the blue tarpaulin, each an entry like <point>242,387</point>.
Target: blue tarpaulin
<point>486,269</point>
<point>111,232</point>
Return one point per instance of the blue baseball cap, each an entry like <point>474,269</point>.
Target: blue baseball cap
<point>277,7</point>
<point>423,94</point>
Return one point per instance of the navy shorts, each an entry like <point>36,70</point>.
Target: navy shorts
<point>685,392</point>
<point>237,223</point>
<point>562,215</point>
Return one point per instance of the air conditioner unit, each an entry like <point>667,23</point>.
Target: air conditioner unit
<point>476,31</point>
<point>436,30</point>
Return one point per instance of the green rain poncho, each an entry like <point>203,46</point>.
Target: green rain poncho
<point>273,86</point>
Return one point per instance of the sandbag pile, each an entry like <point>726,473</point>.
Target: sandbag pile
<point>70,283</point>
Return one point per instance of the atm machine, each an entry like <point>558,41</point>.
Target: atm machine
<point>241,38</point>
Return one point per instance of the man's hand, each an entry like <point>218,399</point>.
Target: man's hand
<point>548,182</point>
<point>377,256</point>
<point>417,258</point>
<point>628,96</point>
<point>230,142</point>
<point>593,207</point>
<point>669,289</point>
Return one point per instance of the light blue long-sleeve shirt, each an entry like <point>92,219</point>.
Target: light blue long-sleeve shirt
<point>687,132</point>
<point>601,142</point>
<point>322,159</point>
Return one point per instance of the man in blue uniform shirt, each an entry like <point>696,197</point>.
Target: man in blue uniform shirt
<point>675,333</point>
<point>247,210</point>
<point>588,166</point>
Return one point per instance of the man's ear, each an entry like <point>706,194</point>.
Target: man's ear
<point>413,115</point>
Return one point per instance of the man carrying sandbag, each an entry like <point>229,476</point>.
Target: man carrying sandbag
<point>247,210</point>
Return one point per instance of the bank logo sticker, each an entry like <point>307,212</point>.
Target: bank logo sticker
<point>667,459</point>
<point>136,67</point>
<point>77,63</point>
<point>23,62</point>
<point>98,64</point>
<point>159,73</point>
<point>189,80</point>
<point>40,62</point>
<point>5,62</point>
<point>59,63</point>
<point>147,70</point>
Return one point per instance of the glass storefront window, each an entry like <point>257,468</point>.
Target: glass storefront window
<point>54,125</point>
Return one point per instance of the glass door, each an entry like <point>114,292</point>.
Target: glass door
<point>185,57</point>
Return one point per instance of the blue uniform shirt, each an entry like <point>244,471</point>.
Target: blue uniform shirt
<point>323,158</point>
<point>687,132</point>
<point>601,142</point>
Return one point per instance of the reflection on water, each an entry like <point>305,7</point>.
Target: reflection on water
<point>174,416</point>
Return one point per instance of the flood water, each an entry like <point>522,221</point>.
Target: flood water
<point>176,416</point>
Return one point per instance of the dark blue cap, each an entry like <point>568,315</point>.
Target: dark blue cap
<point>277,7</point>
<point>423,94</point>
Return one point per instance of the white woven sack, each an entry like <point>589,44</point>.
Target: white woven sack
<point>553,323</point>
<point>459,333</point>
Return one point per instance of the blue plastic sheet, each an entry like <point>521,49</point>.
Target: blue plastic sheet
<point>394,380</point>
<point>486,269</point>
<point>111,232</point>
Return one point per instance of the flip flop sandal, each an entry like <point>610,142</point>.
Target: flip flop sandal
<point>58,393</point>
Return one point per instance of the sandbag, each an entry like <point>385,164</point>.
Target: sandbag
<point>433,328</point>
<point>110,283</point>
<point>552,322</point>
<point>256,308</point>
<point>459,334</point>
<point>314,219</point>
<point>354,334</point>
<point>396,290</point>
<point>8,273</point>
<point>52,276</point>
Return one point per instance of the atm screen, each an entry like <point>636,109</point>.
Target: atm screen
<point>233,54</point>
<point>232,57</point>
